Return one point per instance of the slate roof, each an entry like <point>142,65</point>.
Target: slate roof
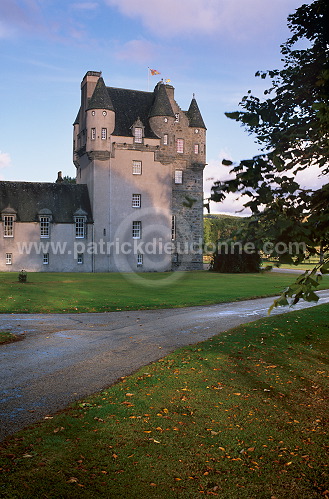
<point>161,105</point>
<point>129,105</point>
<point>28,199</point>
<point>194,115</point>
<point>100,98</point>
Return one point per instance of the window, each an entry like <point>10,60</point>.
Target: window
<point>9,258</point>
<point>45,258</point>
<point>104,133</point>
<point>173,228</point>
<point>80,227</point>
<point>93,133</point>
<point>136,200</point>
<point>137,167</point>
<point>8,225</point>
<point>44,226</point>
<point>178,176</point>
<point>165,139</point>
<point>176,117</point>
<point>137,230</point>
<point>138,134</point>
<point>196,148</point>
<point>80,258</point>
<point>180,145</point>
<point>139,260</point>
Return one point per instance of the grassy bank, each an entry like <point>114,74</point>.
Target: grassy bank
<point>46,293</point>
<point>7,337</point>
<point>242,415</point>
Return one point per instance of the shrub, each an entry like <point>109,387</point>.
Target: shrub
<point>235,262</point>
<point>22,276</point>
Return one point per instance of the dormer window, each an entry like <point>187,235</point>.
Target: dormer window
<point>80,220</point>
<point>80,229</point>
<point>138,135</point>
<point>45,218</point>
<point>8,217</point>
<point>8,225</point>
<point>138,131</point>
<point>44,226</point>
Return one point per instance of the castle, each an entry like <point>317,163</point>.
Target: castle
<point>137,204</point>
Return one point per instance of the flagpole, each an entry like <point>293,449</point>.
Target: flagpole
<point>148,79</point>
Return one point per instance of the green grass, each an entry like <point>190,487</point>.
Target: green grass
<point>240,416</point>
<point>62,293</point>
<point>7,337</point>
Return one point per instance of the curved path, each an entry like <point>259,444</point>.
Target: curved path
<point>66,357</point>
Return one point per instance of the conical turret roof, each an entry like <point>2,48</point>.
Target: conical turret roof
<point>161,105</point>
<point>100,98</point>
<point>194,115</point>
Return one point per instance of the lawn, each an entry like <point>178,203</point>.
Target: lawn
<point>240,416</point>
<point>68,292</point>
<point>7,337</point>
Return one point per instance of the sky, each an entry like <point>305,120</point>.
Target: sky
<point>211,48</point>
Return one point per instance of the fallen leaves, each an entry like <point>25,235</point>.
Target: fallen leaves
<point>57,430</point>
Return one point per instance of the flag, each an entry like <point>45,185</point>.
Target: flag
<point>154,72</point>
<point>167,81</point>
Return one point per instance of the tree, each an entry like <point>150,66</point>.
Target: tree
<point>69,180</point>
<point>291,125</point>
<point>221,227</point>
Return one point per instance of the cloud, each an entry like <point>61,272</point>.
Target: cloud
<point>140,50</point>
<point>311,178</point>
<point>17,16</point>
<point>5,160</point>
<point>171,16</point>
<point>37,19</point>
<point>216,171</point>
<point>194,17</point>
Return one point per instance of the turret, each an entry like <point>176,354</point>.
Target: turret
<point>194,115</point>
<point>198,133</point>
<point>100,118</point>
<point>161,111</point>
<point>88,85</point>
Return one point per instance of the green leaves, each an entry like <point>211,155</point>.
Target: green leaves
<point>324,269</point>
<point>303,288</point>
<point>233,116</point>
<point>227,162</point>
<point>291,126</point>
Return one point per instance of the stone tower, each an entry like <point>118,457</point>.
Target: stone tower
<point>142,158</point>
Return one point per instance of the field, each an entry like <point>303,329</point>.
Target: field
<point>74,293</point>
